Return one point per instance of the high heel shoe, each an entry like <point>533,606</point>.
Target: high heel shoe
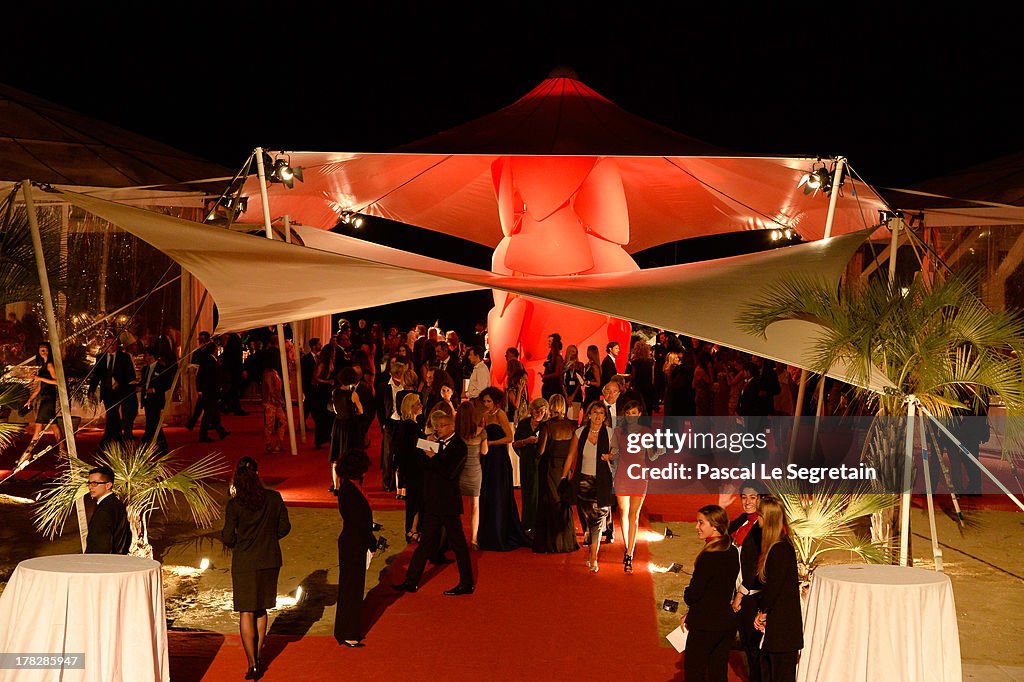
<point>627,564</point>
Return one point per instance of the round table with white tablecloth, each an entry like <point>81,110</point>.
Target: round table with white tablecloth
<point>107,608</point>
<point>866,623</point>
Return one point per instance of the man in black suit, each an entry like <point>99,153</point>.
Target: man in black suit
<point>389,417</point>
<point>197,356</point>
<point>307,365</point>
<point>442,507</point>
<point>109,532</point>
<point>114,374</point>
<point>208,387</point>
<point>451,364</point>
<point>156,381</point>
<point>608,369</point>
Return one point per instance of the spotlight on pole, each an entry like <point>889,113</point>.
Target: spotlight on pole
<point>280,170</point>
<point>204,564</point>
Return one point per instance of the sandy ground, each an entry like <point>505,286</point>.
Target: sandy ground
<point>983,560</point>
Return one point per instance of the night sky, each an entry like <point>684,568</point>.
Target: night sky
<point>906,93</point>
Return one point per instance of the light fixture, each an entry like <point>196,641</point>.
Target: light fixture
<point>818,178</point>
<point>670,605</point>
<point>788,233</point>
<point>204,564</point>
<point>298,594</point>
<point>351,218</point>
<point>669,533</point>
<point>776,235</point>
<point>280,170</point>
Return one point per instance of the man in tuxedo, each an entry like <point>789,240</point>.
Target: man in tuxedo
<point>389,418</point>
<point>197,357</point>
<point>307,365</point>
<point>109,532</point>
<point>442,507</point>
<point>208,387</point>
<point>451,364</point>
<point>608,369</point>
<point>156,381</point>
<point>114,374</point>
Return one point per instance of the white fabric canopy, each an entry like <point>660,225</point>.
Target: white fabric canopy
<point>256,281</point>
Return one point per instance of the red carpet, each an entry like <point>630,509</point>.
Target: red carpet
<point>532,617</point>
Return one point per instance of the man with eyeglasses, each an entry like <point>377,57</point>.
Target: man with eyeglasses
<point>109,532</point>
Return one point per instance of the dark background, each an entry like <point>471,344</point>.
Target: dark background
<point>907,92</point>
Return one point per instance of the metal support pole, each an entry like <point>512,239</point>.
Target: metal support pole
<point>908,471</point>
<point>977,462</point>
<point>936,551</point>
<point>797,411</point>
<point>895,224</point>
<point>834,197</point>
<point>265,200</point>
<point>57,355</point>
<point>297,349</point>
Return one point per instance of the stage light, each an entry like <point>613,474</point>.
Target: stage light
<point>280,170</point>
<point>298,594</point>
<point>651,536</point>
<point>669,533</point>
<point>788,233</point>
<point>351,218</point>
<point>776,235</point>
<point>204,564</point>
<point>670,605</point>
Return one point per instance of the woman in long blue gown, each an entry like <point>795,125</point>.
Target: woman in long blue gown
<point>500,526</point>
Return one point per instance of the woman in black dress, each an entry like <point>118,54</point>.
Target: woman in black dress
<point>356,546</point>
<point>710,622</point>
<point>592,375</point>
<point>527,434</point>
<point>554,366</point>
<point>745,531</point>
<point>407,462</point>
<point>555,530</point>
<point>572,383</point>
<point>778,615</point>
<point>642,363</point>
<point>323,384</point>
<point>500,527</point>
<point>254,523</point>
<point>46,409</point>
<point>348,408</point>
<point>591,452</point>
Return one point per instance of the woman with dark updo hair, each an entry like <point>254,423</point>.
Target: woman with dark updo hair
<point>356,545</point>
<point>254,523</point>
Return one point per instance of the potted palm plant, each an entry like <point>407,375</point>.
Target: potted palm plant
<point>933,339</point>
<point>145,480</point>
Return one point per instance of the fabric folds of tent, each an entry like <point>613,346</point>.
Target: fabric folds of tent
<point>256,281</point>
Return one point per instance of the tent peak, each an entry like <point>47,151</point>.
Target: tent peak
<point>564,71</point>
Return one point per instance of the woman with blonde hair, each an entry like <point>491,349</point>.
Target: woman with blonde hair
<point>710,622</point>
<point>778,614</point>
<point>469,427</point>
<point>407,463</point>
<point>555,530</point>
<point>572,382</point>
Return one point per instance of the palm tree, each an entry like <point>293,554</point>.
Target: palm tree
<point>12,397</point>
<point>933,339</point>
<point>826,522</point>
<point>144,480</point>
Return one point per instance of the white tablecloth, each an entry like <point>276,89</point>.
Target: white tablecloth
<point>109,608</point>
<point>867,623</point>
